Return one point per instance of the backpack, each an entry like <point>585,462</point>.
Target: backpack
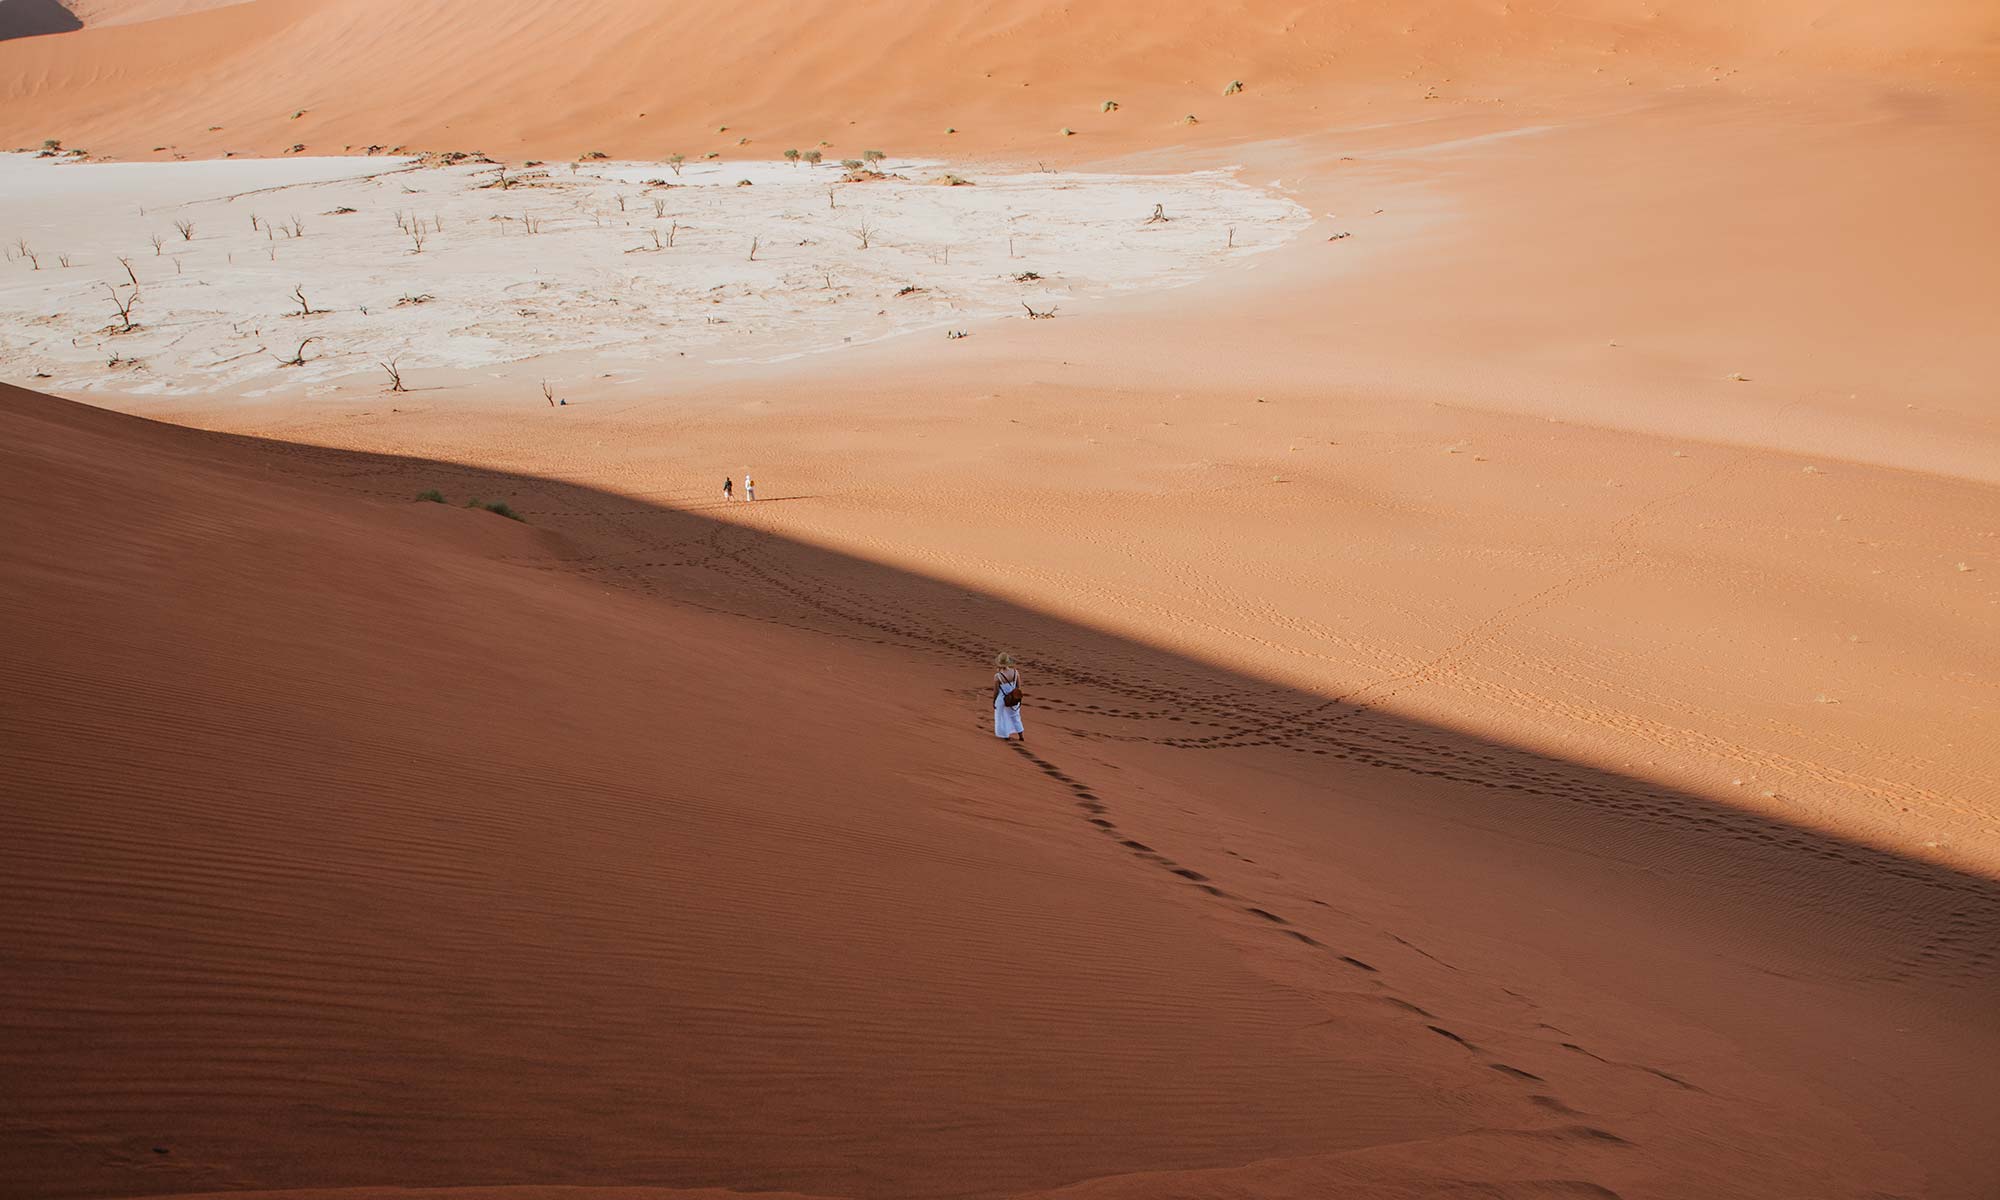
<point>1012,699</point>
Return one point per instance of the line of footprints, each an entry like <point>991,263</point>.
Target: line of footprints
<point>1096,813</point>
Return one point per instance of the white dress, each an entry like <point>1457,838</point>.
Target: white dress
<point>1006,721</point>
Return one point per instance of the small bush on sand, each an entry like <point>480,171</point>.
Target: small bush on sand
<point>433,496</point>
<point>499,508</point>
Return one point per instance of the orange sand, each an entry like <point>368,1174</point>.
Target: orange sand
<point>1478,746</point>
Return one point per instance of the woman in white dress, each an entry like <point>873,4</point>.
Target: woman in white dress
<point>1006,686</point>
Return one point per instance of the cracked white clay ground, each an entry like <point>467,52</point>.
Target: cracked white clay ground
<point>592,259</point>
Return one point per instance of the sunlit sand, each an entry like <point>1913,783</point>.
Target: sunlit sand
<point>1495,509</point>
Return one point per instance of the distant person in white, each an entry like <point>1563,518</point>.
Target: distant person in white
<point>749,487</point>
<point>1007,700</point>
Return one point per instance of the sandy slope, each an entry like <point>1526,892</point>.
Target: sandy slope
<point>642,79</point>
<point>355,841</point>
<point>1586,754</point>
<point>1413,465</point>
<point>460,840</point>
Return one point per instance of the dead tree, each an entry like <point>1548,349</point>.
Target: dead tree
<point>672,229</point>
<point>548,393</point>
<point>159,240</point>
<point>417,238</point>
<point>298,358</point>
<point>659,209</point>
<point>305,310</point>
<point>185,229</point>
<point>129,273</point>
<point>863,233</point>
<point>754,243</point>
<point>1035,314</point>
<point>124,306</point>
<point>1159,216</point>
<point>395,375</point>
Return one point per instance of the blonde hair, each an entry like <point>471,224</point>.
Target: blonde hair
<point>1004,660</point>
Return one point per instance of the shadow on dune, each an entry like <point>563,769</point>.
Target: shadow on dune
<point>1917,936</point>
<point>33,18</point>
<point>1110,689</point>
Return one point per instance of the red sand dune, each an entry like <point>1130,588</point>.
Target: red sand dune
<point>640,79</point>
<point>349,842</point>
<point>355,841</point>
